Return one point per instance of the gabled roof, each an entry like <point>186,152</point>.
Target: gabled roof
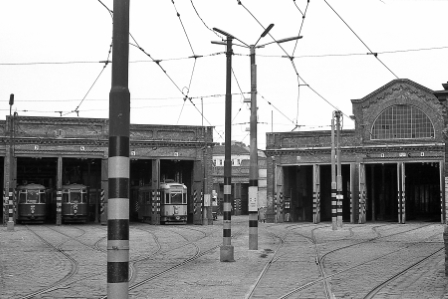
<point>391,83</point>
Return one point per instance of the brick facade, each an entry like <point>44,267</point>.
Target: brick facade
<point>288,151</point>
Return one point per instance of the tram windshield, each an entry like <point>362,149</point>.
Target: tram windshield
<point>74,196</point>
<point>31,196</point>
<point>176,198</point>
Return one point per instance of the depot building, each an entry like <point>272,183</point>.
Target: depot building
<point>392,162</point>
<point>57,151</point>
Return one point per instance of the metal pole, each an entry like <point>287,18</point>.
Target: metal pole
<point>339,195</point>
<point>118,161</point>
<point>59,193</point>
<point>253,169</point>
<point>226,250</point>
<point>10,224</point>
<point>333,179</point>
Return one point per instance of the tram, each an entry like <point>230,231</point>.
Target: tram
<point>173,197</point>
<point>75,203</point>
<point>33,203</point>
<point>171,209</point>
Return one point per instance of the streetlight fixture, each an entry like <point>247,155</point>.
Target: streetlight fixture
<point>253,167</point>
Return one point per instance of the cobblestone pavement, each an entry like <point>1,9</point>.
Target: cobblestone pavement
<point>294,260</point>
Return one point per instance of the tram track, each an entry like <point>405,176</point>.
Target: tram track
<point>73,269</point>
<point>291,230</point>
<point>372,293</point>
<point>319,259</point>
<point>197,253</point>
<point>326,277</point>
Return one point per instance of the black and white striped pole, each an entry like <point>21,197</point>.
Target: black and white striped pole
<point>118,161</point>
<point>253,169</point>
<point>10,224</point>
<point>333,179</point>
<point>339,195</point>
<point>227,250</point>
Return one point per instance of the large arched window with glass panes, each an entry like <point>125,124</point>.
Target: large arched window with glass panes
<point>402,122</point>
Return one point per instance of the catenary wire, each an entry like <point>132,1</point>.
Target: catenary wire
<point>94,82</point>
<point>292,60</point>
<point>357,36</point>
<point>202,20</point>
<point>136,44</point>
<point>301,24</point>
<point>222,53</point>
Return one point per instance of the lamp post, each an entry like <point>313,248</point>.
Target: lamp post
<point>10,188</point>
<point>253,166</point>
<point>227,250</point>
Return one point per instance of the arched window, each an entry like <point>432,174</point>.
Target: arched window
<point>402,122</point>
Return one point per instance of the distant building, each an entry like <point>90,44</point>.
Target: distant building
<point>392,162</point>
<point>240,157</point>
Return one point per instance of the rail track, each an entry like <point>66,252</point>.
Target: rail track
<point>322,279</point>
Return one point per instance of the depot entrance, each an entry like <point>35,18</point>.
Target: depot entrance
<point>400,192</point>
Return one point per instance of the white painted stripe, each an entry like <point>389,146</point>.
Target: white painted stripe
<point>227,189</point>
<point>118,208</point>
<point>117,290</point>
<point>118,167</point>
<point>118,251</point>
<point>227,207</point>
<point>227,225</point>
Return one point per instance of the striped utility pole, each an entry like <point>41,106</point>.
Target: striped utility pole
<point>10,224</point>
<point>59,193</point>
<point>226,250</point>
<point>339,195</point>
<point>253,169</point>
<point>118,161</point>
<point>333,179</point>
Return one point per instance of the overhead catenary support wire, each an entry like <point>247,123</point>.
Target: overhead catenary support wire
<point>222,53</point>
<point>301,24</point>
<point>94,82</point>
<point>136,44</point>
<point>197,13</point>
<point>292,62</point>
<point>277,109</point>
<point>357,36</point>
<point>241,93</point>
<point>185,31</point>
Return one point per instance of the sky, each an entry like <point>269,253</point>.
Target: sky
<point>53,53</point>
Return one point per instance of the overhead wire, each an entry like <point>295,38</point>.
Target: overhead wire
<point>197,13</point>
<point>222,53</point>
<point>293,63</point>
<point>375,54</point>
<point>301,24</point>
<point>93,84</point>
<point>241,93</point>
<point>292,60</point>
<point>278,110</point>
<point>194,65</point>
